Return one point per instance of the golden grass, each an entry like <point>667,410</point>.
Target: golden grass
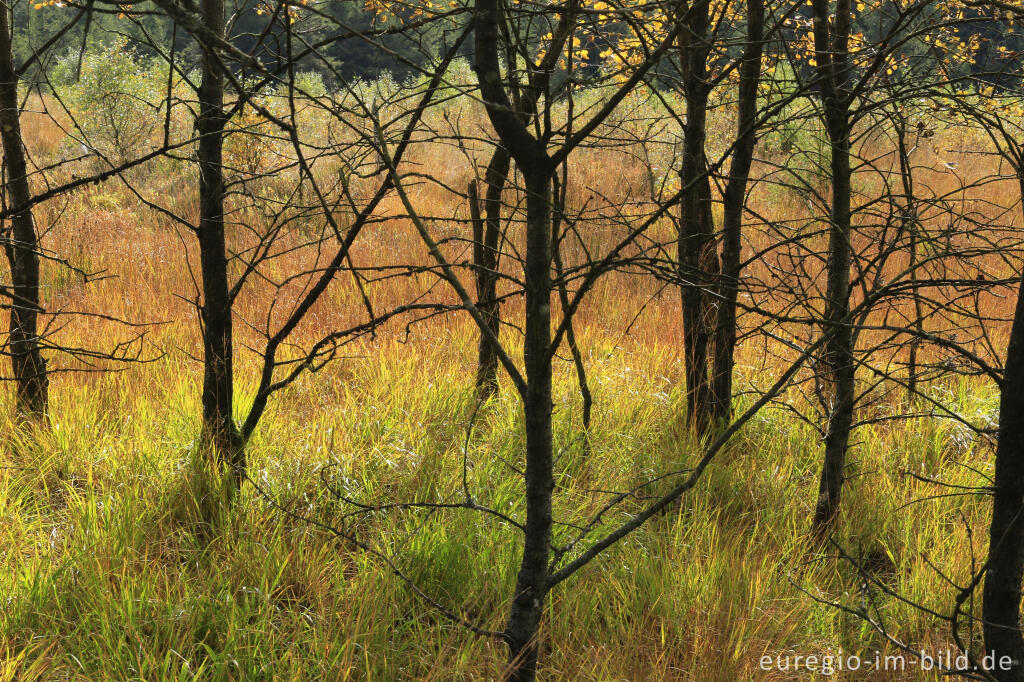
<point>108,577</point>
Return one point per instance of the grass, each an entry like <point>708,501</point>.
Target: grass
<point>111,570</point>
<point>111,575</point>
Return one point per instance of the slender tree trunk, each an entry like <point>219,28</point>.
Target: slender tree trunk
<point>698,260</point>
<point>532,582</point>
<point>831,45</point>
<point>219,427</point>
<point>734,202</point>
<point>1002,592</point>
<point>486,252</point>
<point>523,626</point>
<point>918,319</point>
<point>909,226</point>
<point>838,359</point>
<point>587,397</point>
<point>28,364</point>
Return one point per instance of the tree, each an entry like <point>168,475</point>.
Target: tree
<point>831,51</point>
<point>330,246</point>
<point>719,45</point>
<point>20,245</point>
<point>1005,570</point>
<point>733,208</point>
<point>533,161</point>
<point>487,233</point>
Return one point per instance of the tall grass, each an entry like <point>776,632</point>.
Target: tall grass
<point>113,571</point>
<point>111,574</point>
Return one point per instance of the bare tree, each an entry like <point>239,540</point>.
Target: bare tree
<point>20,244</point>
<point>1002,595</point>
<point>831,47</point>
<point>218,377</point>
<point>487,233</point>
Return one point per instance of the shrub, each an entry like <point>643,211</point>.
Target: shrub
<point>114,99</point>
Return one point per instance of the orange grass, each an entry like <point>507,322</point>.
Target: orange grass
<point>109,581</point>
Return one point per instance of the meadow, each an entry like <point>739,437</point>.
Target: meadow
<point>112,569</point>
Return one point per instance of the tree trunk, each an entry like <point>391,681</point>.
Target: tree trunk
<point>909,226</point>
<point>838,355</point>
<point>698,260</point>
<point>532,160</point>
<point>486,251</point>
<point>531,584</point>
<point>29,367</point>
<point>1002,593</point>
<point>734,201</point>
<point>831,41</point>
<point>558,189</point>
<point>219,427</point>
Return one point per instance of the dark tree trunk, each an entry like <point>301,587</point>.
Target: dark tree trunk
<point>831,37</point>
<point>532,582</point>
<point>918,319</point>
<point>219,427</point>
<point>838,356</point>
<point>1002,593</point>
<point>558,189</point>
<point>531,157</point>
<point>486,252</point>
<point>909,226</point>
<point>698,260</point>
<point>734,201</point>
<point>29,367</point>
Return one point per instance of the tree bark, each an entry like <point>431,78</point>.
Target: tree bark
<point>28,364</point>
<point>531,157</point>
<point>734,202</point>
<point>831,47</point>
<point>532,582</point>
<point>486,253</point>
<point>698,260</point>
<point>219,427</point>
<point>1005,571</point>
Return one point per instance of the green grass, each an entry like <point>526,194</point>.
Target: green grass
<point>111,572</point>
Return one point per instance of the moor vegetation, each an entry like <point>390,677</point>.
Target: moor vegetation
<point>501,339</point>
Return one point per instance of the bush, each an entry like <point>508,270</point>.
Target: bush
<point>114,99</point>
